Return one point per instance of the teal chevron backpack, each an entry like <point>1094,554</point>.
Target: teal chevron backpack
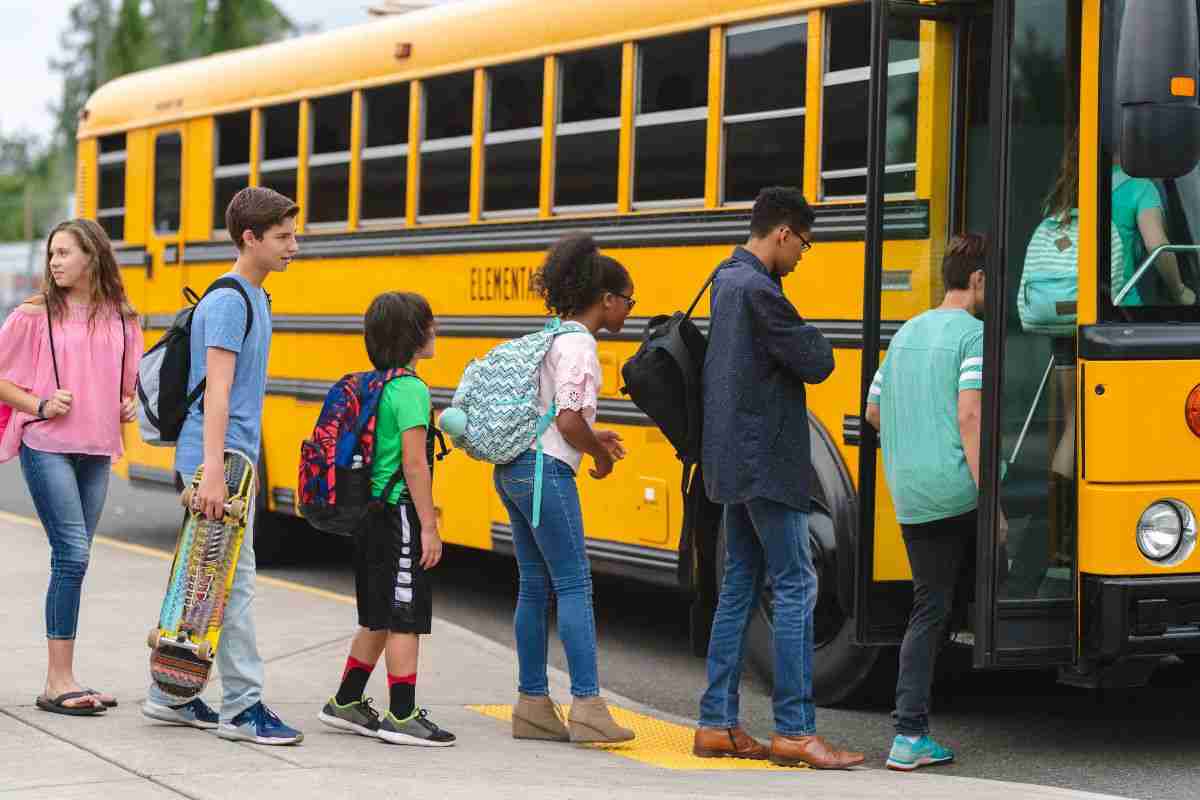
<point>499,396</point>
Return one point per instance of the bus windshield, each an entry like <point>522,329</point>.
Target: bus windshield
<point>1152,268</point>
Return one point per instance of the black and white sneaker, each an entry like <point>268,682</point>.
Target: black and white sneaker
<point>357,717</point>
<point>417,730</point>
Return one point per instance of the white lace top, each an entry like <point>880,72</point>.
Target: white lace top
<point>570,374</point>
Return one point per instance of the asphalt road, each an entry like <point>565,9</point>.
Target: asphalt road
<point>1017,726</point>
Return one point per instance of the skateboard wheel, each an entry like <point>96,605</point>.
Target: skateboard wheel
<point>236,507</point>
<point>185,499</point>
<point>152,638</point>
<point>204,650</point>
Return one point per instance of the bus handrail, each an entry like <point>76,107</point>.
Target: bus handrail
<point>1137,276</point>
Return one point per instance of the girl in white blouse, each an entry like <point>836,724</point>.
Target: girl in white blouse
<point>587,291</point>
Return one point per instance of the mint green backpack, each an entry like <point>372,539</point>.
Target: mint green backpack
<point>1049,290</point>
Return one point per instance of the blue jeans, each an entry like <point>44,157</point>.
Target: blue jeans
<point>238,661</point>
<point>550,557</point>
<point>764,537</point>
<point>68,492</point>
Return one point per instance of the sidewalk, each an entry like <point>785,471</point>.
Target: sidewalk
<point>303,634</point>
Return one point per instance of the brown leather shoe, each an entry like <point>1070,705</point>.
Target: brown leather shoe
<point>727,743</point>
<point>791,751</point>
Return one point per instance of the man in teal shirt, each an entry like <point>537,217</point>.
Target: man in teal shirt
<point>925,401</point>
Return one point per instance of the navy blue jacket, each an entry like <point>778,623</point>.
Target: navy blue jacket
<point>760,355</point>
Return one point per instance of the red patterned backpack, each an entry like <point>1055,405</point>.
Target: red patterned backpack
<point>335,462</point>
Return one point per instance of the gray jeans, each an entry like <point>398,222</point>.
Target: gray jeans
<point>942,557</point>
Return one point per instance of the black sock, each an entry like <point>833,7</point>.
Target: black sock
<point>354,682</point>
<point>403,697</point>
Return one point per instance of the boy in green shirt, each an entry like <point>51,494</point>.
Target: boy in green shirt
<point>398,542</point>
<point>925,401</point>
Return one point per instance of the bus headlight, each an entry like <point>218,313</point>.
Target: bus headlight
<point>1166,532</point>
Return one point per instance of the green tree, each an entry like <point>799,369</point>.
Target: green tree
<point>85,45</point>
<point>230,24</point>
<point>132,47</point>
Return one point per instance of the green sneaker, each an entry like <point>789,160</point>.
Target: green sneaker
<point>924,752</point>
<point>417,730</point>
<point>357,717</point>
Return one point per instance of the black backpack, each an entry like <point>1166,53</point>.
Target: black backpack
<point>663,379</point>
<point>163,372</point>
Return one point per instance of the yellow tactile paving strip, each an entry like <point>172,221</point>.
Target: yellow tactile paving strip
<point>658,743</point>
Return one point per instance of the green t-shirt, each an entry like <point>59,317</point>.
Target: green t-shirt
<point>1130,197</point>
<point>931,359</point>
<point>405,405</point>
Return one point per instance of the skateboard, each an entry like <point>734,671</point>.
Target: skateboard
<point>184,642</point>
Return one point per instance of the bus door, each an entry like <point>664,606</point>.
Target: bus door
<point>164,236</point>
<point>1009,118</point>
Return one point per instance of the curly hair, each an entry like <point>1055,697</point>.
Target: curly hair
<point>576,275</point>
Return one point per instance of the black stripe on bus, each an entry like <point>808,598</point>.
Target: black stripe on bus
<point>908,219</point>
<point>842,333</point>
<point>617,412</point>
<point>619,558</point>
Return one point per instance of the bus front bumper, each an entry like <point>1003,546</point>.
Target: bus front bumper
<point>1140,616</point>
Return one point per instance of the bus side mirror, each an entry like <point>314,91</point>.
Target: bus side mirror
<point>1158,117</point>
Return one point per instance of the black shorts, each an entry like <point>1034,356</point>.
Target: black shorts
<point>391,587</point>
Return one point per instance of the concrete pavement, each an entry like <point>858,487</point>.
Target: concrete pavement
<point>465,680</point>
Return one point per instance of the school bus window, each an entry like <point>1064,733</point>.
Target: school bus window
<point>110,201</point>
<point>385,154</point>
<point>446,146</point>
<point>844,130</point>
<point>329,161</point>
<point>765,68</point>
<point>168,181</point>
<point>588,134</point>
<point>232,157</point>
<point>671,121</point>
<point>281,126</point>
<point>513,144</point>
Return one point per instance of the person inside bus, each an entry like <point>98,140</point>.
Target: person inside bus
<point>755,460</point>
<point>925,401</point>
<point>1137,212</point>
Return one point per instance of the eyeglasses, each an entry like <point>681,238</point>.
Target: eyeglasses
<point>805,244</point>
<point>629,301</point>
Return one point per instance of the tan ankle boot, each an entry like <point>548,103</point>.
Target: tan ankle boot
<point>537,717</point>
<point>590,721</point>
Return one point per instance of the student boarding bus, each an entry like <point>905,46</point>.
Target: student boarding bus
<point>443,151</point>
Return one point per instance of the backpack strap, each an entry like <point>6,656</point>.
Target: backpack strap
<point>703,289</point>
<point>558,328</point>
<point>405,372</point>
<point>225,282</point>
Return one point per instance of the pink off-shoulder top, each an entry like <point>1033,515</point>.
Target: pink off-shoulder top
<point>89,366</point>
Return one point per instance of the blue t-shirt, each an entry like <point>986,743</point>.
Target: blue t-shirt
<point>220,321</point>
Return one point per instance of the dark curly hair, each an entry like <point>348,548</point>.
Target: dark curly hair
<point>576,275</point>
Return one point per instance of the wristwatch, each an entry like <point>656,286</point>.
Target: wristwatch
<point>41,407</point>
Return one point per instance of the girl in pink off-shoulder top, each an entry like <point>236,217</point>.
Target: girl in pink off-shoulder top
<point>68,361</point>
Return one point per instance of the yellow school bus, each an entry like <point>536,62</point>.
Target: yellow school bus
<point>443,151</point>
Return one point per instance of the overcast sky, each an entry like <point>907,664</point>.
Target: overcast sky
<point>29,38</point>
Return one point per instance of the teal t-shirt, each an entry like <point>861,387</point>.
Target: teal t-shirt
<point>1130,197</point>
<point>405,405</point>
<point>931,359</point>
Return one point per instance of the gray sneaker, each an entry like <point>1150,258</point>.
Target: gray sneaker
<point>417,730</point>
<point>357,717</point>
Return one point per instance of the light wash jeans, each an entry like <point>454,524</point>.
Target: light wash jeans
<point>238,661</point>
<point>551,556</point>
<point>68,491</point>
<point>764,537</point>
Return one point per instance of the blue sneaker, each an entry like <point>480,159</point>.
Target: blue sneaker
<point>195,713</point>
<point>259,724</point>
<point>924,752</point>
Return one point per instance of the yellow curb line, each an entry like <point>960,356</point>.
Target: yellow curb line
<point>163,555</point>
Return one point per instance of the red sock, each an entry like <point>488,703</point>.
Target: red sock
<point>354,663</point>
<point>402,691</point>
